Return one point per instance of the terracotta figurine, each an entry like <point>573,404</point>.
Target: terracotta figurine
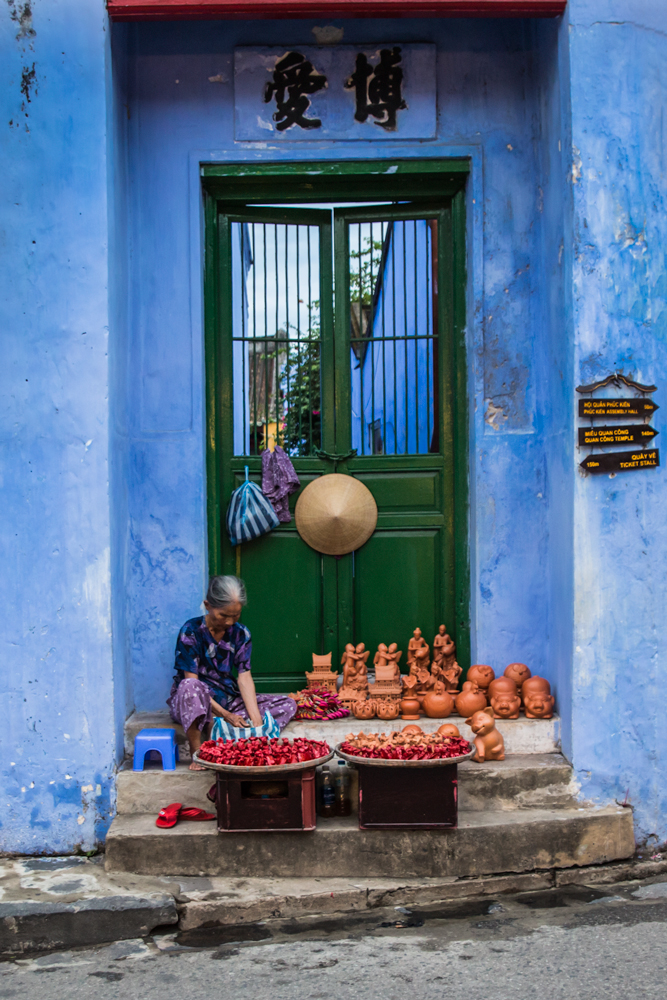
<point>410,702</point>
<point>381,655</point>
<point>505,684</point>
<point>418,651</point>
<point>489,744</point>
<point>363,708</point>
<point>438,704</point>
<point>481,674</point>
<point>519,673</point>
<point>506,704</point>
<point>387,709</point>
<point>470,700</point>
<point>538,701</point>
<point>444,649</point>
<point>448,729</point>
<point>394,655</point>
<point>322,675</point>
<point>451,677</point>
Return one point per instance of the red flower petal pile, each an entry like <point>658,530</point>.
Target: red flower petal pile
<point>260,751</point>
<point>452,746</point>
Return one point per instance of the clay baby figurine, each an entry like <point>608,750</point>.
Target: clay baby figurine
<point>489,744</point>
<point>504,699</point>
<point>537,698</point>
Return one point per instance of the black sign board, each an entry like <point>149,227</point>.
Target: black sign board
<point>628,434</point>
<point>616,407</point>
<point>621,461</point>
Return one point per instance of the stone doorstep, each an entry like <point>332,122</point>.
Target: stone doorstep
<point>96,908</point>
<point>485,843</point>
<point>521,781</point>
<point>521,735</point>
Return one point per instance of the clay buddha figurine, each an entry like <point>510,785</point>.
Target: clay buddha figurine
<point>418,651</point>
<point>451,678</point>
<point>444,649</point>
<point>489,743</point>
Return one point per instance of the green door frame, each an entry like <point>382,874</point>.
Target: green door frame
<point>425,181</point>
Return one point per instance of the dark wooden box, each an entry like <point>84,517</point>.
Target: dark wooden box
<point>407,798</point>
<point>284,801</point>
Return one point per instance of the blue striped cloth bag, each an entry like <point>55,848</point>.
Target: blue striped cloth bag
<point>249,514</point>
<point>222,730</point>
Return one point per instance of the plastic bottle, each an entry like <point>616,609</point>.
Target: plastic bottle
<point>343,804</point>
<point>328,807</point>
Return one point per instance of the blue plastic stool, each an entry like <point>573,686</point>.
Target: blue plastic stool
<point>162,740</point>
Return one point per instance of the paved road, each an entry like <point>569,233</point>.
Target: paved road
<point>558,945</point>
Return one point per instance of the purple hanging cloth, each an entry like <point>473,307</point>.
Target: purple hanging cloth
<point>279,480</point>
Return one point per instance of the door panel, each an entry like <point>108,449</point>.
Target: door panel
<point>396,586</point>
<point>284,612</point>
<point>353,375</point>
<point>396,283</point>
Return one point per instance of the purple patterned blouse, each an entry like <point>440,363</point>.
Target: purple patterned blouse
<point>213,662</point>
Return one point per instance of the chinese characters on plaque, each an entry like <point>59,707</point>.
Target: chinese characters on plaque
<point>337,92</point>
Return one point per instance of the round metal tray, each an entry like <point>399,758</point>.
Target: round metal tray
<point>380,762</point>
<point>241,769</point>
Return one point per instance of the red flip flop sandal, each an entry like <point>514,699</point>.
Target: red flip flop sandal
<point>169,815</point>
<point>195,814</point>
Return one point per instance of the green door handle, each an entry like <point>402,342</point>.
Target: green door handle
<point>333,456</point>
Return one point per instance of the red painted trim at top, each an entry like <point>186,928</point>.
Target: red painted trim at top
<point>198,10</point>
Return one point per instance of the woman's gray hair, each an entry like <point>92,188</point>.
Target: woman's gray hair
<point>226,590</point>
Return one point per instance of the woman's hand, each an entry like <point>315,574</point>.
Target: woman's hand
<point>247,689</point>
<point>234,720</point>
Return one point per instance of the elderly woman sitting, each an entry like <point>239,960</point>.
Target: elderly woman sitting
<point>210,650</point>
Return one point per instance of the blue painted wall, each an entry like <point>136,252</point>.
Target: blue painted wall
<point>56,676</point>
<point>618,53</point>
<point>489,110</point>
<point>102,383</point>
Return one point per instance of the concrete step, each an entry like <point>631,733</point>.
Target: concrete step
<point>485,843</point>
<point>521,735</point>
<point>521,781</point>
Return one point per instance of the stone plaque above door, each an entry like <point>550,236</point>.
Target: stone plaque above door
<point>339,92</point>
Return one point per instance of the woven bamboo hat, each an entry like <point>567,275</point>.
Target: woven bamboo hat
<point>336,514</point>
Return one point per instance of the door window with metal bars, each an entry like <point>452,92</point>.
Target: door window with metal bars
<point>385,315</point>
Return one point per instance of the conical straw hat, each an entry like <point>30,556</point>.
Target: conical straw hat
<point>336,514</point>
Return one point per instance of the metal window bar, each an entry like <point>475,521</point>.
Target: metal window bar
<point>399,330</point>
<point>276,337</point>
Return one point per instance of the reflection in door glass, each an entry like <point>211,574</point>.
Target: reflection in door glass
<point>276,337</point>
<point>393,315</point>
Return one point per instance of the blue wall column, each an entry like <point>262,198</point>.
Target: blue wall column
<point>56,681</point>
<point>618,51</point>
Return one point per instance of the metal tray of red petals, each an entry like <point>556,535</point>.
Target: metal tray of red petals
<point>250,769</point>
<point>394,762</point>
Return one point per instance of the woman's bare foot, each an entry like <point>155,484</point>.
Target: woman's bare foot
<point>194,736</point>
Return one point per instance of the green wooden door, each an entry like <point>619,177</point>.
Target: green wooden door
<point>335,332</point>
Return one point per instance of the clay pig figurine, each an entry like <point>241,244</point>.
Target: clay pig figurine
<point>519,673</point>
<point>489,744</point>
<point>538,701</point>
<point>481,674</point>
<point>506,704</point>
